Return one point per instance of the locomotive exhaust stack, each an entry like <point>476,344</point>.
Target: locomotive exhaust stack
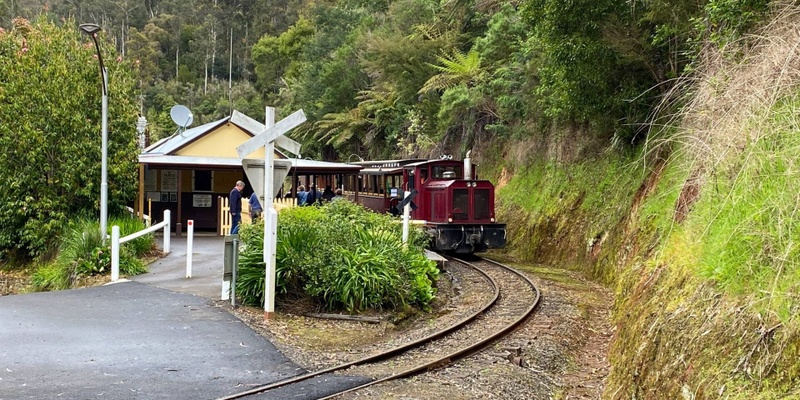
<point>467,166</point>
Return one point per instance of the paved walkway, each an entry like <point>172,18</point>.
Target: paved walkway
<point>158,337</point>
<point>170,272</point>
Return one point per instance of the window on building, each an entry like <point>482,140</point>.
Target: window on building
<point>202,181</point>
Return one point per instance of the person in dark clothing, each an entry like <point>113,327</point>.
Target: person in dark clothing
<point>235,203</point>
<point>255,207</point>
<point>313,197</point>
<point>327,195</point>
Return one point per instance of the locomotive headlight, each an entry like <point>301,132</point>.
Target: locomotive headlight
<point>491,219</point>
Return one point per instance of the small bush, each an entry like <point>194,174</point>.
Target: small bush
<point>139,246</point>
<point>342,255</point>
<point>51,277</point>
<point>83,253</point>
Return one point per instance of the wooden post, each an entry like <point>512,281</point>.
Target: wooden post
<point>141,192</point>
<point>178,204</point>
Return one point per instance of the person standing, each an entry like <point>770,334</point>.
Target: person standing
<point>313,196</point>
<point>301,196</point>
<point>255,207</point>
<point>235,203</point>
<point>327,194</point>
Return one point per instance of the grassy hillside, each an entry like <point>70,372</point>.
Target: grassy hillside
<point>697,231</point>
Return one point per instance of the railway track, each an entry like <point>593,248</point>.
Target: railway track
<point>510,300</point>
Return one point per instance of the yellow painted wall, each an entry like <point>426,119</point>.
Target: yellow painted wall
<point>224,181</point>
<point>221,142</point>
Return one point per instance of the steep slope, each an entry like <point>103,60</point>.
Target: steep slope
<point>698,232</point>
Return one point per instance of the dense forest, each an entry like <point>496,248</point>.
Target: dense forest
<point>410,77</point>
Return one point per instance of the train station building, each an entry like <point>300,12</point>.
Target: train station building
<point>193,171</point>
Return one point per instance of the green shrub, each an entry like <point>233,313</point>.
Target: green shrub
<point>82,252</point>
<point>51,276</point>
<point>128,225</point>
<point>342,255</point>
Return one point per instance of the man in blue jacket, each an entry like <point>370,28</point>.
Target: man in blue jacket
<point>255,207</point>
<point>235,202</point>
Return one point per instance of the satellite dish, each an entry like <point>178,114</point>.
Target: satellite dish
<point>181,116</point>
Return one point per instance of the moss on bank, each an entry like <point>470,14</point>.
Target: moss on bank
<point>569,214</point>
<point>704,264</point>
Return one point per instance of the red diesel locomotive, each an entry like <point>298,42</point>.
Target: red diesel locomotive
<point>454,206</point>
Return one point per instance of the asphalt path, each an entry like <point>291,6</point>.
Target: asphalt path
<point>158,337</point>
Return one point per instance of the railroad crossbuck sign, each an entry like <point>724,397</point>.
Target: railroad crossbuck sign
<point>408,200</point>
<point>271,136</point>
<point>405,207</point>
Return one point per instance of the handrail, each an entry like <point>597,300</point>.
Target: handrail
<point>116,241</point>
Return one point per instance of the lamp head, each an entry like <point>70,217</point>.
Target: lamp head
<point>90,29</point>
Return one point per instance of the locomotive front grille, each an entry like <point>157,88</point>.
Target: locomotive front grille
<point>460,205</point>
<point>481,203</point>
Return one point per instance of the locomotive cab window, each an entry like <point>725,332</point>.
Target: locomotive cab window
<point>446,172</point>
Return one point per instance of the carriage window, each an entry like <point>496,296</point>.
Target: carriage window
<point>423,175</point>
<point>460,204</point>
<point>481,200</point>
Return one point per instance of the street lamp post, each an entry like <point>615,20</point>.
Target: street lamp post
<point>91,30</point>
<point>141,127</point>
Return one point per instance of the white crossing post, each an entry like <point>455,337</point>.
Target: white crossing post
<point>271,136</point>
<point>114,253</point>
<point>168,218</point>
<point>189,245</point>
<point>406,218</point>
<point>270,221</point>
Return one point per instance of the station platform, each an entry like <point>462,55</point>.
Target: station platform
<point>158,336</point>
<point>435,257</point>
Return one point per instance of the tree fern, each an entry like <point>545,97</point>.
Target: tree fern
<point>457,69</point>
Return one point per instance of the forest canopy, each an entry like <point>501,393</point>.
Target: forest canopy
<point>410,77</point>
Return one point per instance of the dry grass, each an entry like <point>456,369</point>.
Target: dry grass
<point>726,97</point>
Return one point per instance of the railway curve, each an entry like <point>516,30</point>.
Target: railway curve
<point>512,298</point>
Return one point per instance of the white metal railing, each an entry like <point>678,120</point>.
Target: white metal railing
<point>144,217</point>
<point>116,241</point>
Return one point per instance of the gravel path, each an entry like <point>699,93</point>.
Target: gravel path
<point>558,353</point>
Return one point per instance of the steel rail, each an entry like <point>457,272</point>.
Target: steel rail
<point>448,359</point>
<point>385,354</point>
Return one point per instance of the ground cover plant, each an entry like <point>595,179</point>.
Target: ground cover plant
<point>81,253</point>
<point>343,256</point>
